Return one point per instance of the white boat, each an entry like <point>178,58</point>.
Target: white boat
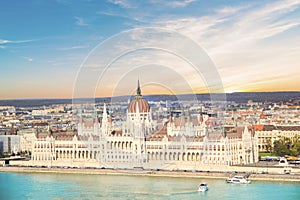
<point>202,187</point>
<point>238,179</point>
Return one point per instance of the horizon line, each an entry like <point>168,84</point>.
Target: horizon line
<point>65,98</point>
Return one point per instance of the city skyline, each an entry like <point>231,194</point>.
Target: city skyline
<point>254,45</point>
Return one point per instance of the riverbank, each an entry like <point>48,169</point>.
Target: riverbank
<point>217,175</point>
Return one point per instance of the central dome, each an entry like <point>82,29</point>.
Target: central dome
<point>138,103</point>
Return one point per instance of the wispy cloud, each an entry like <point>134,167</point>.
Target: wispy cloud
<point>80,21</point>
<point>172,3</point>
<point>29,59</point>
<point>136,3</point>
<point>232,26</point>
<point>74,47</point>
<point>230,9</point>
<point>182,3</point>
<point>3,41</point>
<point>112,13</point>
<point>240,40</point>
<point>122,3</point>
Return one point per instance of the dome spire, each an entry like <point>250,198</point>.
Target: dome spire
<point>138,104</point>
<point>138,90</point>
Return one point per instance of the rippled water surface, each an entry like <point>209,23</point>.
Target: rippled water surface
<point>79,186</point>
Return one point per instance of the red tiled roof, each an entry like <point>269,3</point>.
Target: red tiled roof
<point>257,127</point>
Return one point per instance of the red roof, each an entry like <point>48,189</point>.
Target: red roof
<point>258,127</point>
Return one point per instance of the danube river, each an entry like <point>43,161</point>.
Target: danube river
<point>80,186</point>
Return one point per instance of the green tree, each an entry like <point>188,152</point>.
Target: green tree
<point>286,146</point>
<point>282,146</point>
<point>295,151</point>
<point>269,145</point>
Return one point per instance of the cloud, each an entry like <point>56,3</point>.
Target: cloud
<point>182,3</point>
<point>247,42</point>
<point>233,28</point>
<point>113,13</point>
<point>172,3</point>
<point>122,3</point>
<point>29,59</point>
<point>3,41</point>
<point>230,9</point>
<point>80,21</point>
<point>137,4</point>
<point>74,47</point>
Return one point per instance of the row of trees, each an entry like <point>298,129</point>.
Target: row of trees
<point>287,146</point>
<point>22,153</point>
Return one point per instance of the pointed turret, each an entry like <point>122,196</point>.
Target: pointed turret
<point>104,122</point>
<point>171,118</point>
<point>138,90</point>
<point>104,115</point>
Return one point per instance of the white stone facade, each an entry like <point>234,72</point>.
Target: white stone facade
<point>138,144</point>
<point>27,136</point>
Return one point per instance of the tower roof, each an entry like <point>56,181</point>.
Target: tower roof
<point>138,104</point>
<point>138,90</point>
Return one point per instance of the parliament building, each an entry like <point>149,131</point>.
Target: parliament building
<point>179,143</point>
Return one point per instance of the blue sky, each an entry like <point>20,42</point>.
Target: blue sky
<point>255,45</point>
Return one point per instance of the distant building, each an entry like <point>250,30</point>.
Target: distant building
<point>27,136</point>
<point>39,112</point>
<point>9,144</point>
<point>267,134</point>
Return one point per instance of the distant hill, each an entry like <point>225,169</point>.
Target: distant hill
<point>33,102</point>
<point>243,97</point>
<point>240,97</point>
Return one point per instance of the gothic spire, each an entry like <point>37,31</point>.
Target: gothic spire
<point>138,90</point>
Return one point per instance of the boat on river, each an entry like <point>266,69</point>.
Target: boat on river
<point>203,187</point>
<point>238,179</point>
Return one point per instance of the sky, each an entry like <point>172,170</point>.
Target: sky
<point>254,45</point>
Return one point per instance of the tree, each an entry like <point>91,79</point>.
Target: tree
<point>286,146</point>
<point>281,146</point>
<point>295,151</point>
<point>269,145</point>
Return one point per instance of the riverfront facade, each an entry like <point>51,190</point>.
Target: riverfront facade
<point>177,143</point>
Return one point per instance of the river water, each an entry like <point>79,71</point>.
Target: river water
<point>80,186</point>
